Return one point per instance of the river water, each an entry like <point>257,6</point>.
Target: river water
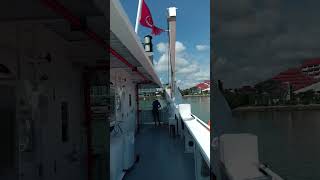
<point>289,141</point>
<point>200,106</point>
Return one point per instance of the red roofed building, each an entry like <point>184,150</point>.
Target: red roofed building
<point>295,77</point>
<point>305,75</point>
<point>312,68</point>
<point>204,86</point>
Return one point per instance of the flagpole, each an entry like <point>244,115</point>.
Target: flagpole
<point>138,16</point>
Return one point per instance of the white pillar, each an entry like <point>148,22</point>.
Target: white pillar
<point>138,16</point>
<point>172,45</point>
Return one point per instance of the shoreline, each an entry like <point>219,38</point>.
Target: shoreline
<point>198,95</point>
<point>277,108</point>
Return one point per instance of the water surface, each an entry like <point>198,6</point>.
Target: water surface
<point>288,141</point>
<point>200,106</point>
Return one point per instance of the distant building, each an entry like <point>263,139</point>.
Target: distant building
<point>312,68</point>
<point>295,77</point>
<point>315,87</point>
<point>150,92</point>
<point>204,86</point>
<point>201,88</point>
<point>292,81</point>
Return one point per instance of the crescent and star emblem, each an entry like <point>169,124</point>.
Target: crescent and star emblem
<point>149,21</point>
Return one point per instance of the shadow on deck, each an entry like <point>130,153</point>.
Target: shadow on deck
<point>161,156</point>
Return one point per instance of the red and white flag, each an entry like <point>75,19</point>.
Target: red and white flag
<point>146,19</point>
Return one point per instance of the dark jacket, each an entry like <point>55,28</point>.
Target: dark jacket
<point>156,105</point>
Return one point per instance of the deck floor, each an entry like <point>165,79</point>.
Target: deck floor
<point>161,157</point>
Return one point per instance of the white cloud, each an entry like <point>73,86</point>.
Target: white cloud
<point>180,62</point>
<point>202,75</point>
<point>162,64</point>
<point>188,71</point>
<point>162,47</point>
<point>201,47</point>
<point>179,47</point>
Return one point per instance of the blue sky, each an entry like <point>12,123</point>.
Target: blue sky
<point>193,38</point>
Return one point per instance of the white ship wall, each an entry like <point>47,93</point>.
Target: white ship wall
<point>18,44</point>
<point>122,144</point>
<point>124,87</point>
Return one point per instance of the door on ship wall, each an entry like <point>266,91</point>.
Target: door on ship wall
<point>8,154</point>
<point>97,107</point>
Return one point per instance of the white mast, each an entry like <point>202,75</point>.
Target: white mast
<point>138,16</point>
<point>172,45</point>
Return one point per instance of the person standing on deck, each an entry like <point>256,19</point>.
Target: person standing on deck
<point>155,111</point>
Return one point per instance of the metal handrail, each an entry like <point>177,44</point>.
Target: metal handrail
<point>201,122</point>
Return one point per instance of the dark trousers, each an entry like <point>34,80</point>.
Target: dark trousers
<point>156,116</point>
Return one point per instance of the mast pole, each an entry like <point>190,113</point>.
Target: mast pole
<point>172,45</point>
<point>138,16</point>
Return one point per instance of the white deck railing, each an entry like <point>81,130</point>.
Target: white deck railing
<point>201,135</point>
<point>199,131</point>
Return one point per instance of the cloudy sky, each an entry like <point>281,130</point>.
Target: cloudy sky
<point>256,39</point>
<point>193,38</point>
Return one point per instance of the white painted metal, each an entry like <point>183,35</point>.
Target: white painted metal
<point>270,172</point>
<point>187,139</point>
<point>185,112</point>
<point>122,148</point>
<point>199,163</point>
<point>172,11</point>
<point>138,16</point>
<point>199,133</point>
<point>123,30</point>
<point>172,50</point>
<point>201,122</point>
<point>239,155</point>
<point>116,167</point>
<point>129,153</point>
